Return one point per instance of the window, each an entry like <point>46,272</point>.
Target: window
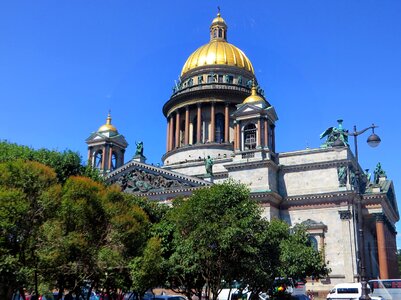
<point>219,128</point>
<point>312,240</point>
<point>98,159</point>
<point>113,161</point>
<point>347,291</point>
<point>250,136</point>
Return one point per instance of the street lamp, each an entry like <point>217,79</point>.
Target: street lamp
<point>373,141</point>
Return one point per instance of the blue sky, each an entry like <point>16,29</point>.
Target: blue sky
<point>64,64</point>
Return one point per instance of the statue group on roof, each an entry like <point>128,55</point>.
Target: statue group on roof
<point>336,136</point>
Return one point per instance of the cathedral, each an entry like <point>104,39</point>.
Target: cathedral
<point>220,126</point>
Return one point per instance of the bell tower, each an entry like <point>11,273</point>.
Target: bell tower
<point>106,148</point>
<point>254,124</point>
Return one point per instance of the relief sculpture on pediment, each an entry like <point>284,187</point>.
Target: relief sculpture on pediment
<point>138,181</point>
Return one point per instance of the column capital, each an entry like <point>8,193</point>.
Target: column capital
<point>345,214</point>
<point>380,217</point>
<point>198,104</point>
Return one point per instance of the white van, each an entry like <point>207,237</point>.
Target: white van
<point>349,291</point>
<point>388,289</point>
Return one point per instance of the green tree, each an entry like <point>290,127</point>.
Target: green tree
<point>28,194</point>
<point>66,163</point>
<point>218,235</point>
<point>70,240</point>
<point>126,236</point>
<point>298,259</point>
<point>213,231</point>
<point>147,270</point>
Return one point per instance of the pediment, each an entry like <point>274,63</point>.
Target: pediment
<point>143,179</point>
<point>97,137</point>
<point>246,109</point>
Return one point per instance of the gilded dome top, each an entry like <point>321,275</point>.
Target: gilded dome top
<point>218,51</point>
<point>107,126</point>
<point>254,97</point>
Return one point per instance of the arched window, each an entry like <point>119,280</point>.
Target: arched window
<point>219,128</point>
<point>312,240</point>
<point>98,159</point>
<point>250,136</point>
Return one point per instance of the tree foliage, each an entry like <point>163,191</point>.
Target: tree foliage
<point>218,235</point>
<point>65,163</point>
<point>28,194</point>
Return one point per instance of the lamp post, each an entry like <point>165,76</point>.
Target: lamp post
<point>373,141</point>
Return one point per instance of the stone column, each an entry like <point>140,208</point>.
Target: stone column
<point>177,129</point>
<point>226,124</point>
<point>266,133</point>
<point>186,138</point>
<point>103,156</point>
<point>110,157</point>
<point>168,135</point>
<point>259,135</point>
<point>198,123</point>
<point>273,139</point>
<point>235,136</point>
<point>171,135</point>
<point>90,156</point>
<point>239,135</point>
<point>121,158</point>
<point>212,122</point>
<point>381,246</point>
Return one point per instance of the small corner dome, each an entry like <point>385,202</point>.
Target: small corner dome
<point>254,97</point>
<point>107,126</point>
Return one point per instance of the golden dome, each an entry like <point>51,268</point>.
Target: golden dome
<point>218,19</point>
<point>218,51</point>
<point>107,126</point>
<point>254,97</point>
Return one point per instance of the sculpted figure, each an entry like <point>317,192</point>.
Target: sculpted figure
<point>379,172</point>
<point>342,175</point>
<point>139,149</point>
<point>334,134</point>
<point>209,165</point>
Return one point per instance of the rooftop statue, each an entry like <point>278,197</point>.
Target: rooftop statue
<point>336,136</point>
<point>139,149</point>
<point>379,172</point>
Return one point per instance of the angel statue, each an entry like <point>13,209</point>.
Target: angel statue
<point>335,136</point>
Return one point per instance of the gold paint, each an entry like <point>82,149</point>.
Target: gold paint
<point>218,51</point>
<point>213,53</point>
<point>254,97</point>
<point>107,126</point>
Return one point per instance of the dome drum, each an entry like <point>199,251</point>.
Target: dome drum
<point>220,92</point>
<point>195,153</point>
